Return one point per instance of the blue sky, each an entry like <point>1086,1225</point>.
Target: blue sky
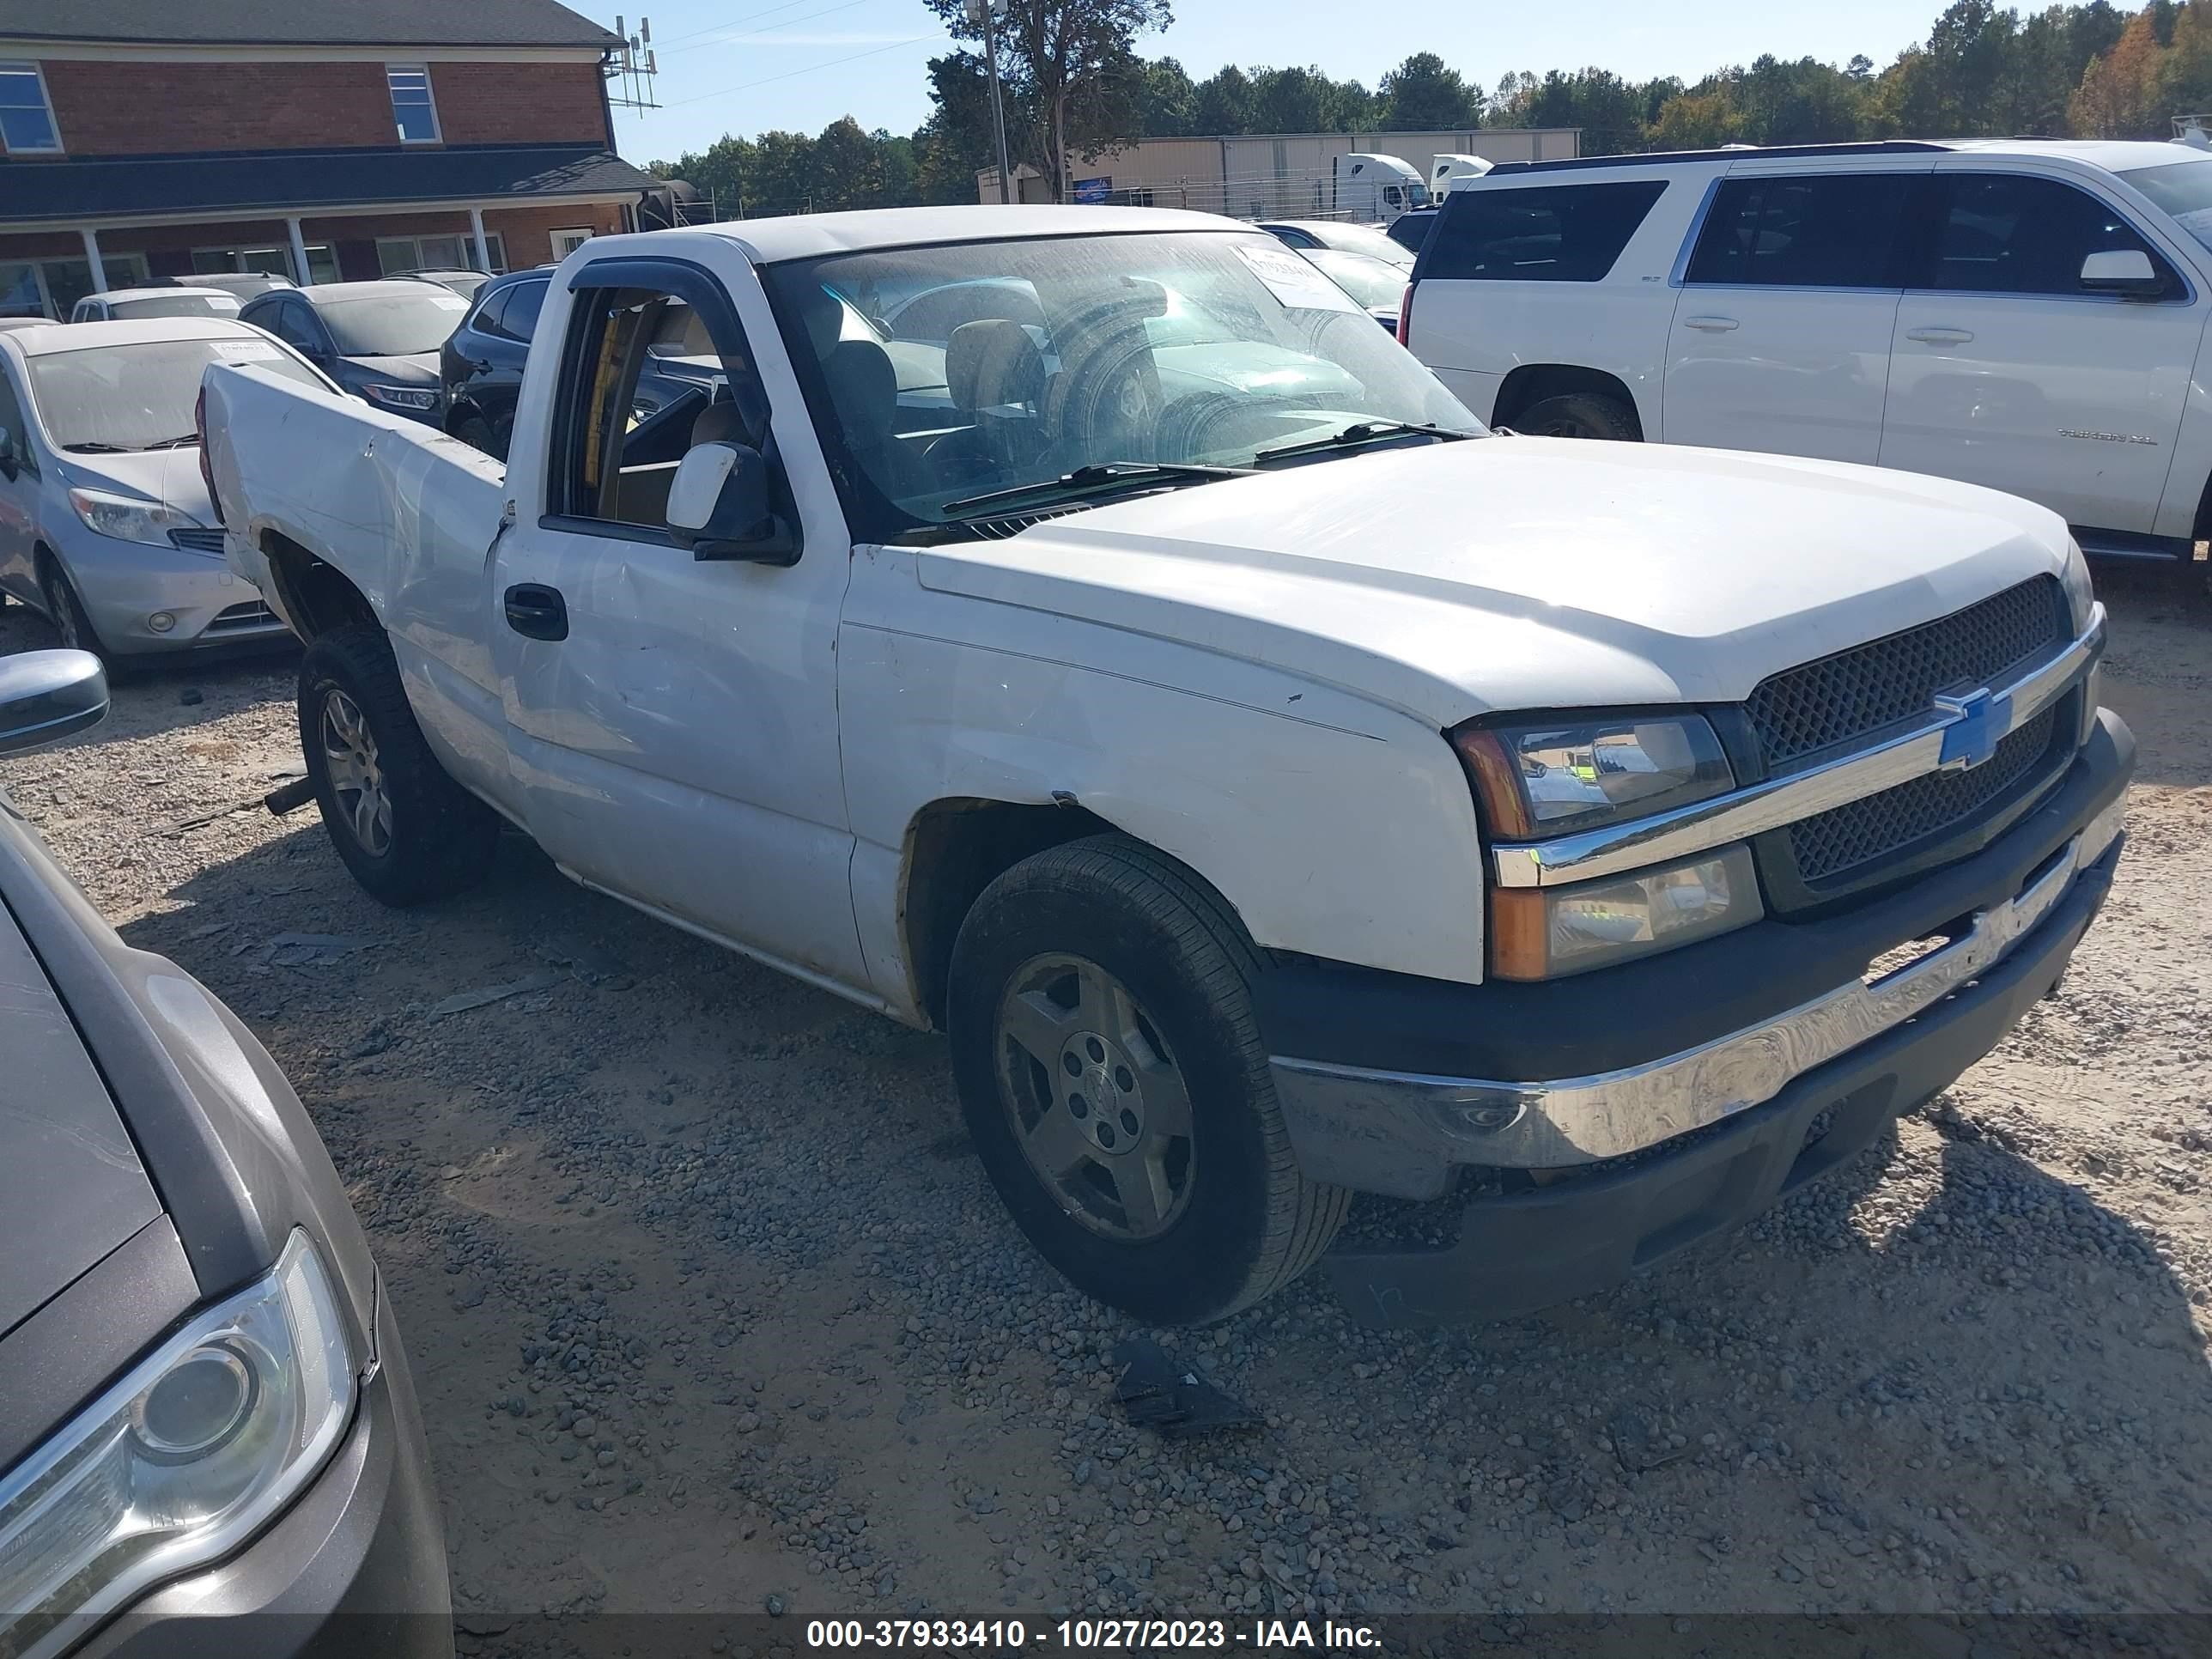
<point>743,65</point>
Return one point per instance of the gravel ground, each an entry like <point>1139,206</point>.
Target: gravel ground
<point>712,1310</point>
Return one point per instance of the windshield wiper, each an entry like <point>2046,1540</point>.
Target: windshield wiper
<point>1099,475</point>
<point>1360,432</point>
<point>176,443</point>
<point>95,448</point>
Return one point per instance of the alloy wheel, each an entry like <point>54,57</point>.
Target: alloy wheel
<point>356,778</point>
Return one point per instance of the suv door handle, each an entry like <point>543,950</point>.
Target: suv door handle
<point>537,611</point>
<point>1710,325</point>
<point>1940,335</point>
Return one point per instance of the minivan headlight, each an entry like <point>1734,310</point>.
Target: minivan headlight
<point>1565,775</point>
<point>128,519</point>
<point>181,1461</point>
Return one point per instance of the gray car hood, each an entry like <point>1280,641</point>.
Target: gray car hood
<point>71,1187</point>
<point>170,476</point>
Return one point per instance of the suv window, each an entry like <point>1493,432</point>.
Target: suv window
<point>292,323</point>
<point>1557,234</point>
<point>11,421</point>
<point>484,319</point>
<point>519,320</point>
<point>2007,232</point>
<point>1803,230</point>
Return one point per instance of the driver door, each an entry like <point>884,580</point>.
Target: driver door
<point>673,720</point>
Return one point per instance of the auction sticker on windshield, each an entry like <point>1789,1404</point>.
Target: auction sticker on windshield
<point>1293,282</point>
<point>245,351</point>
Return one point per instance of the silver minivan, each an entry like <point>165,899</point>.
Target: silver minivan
<point>105,521</point>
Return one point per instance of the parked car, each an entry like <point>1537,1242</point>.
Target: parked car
<point>480,365</point>
<point>209,1436</point>
<point>1261,780</point>
<point>379,340</point>
<point>1369,240</point>
<point>1411,230</point>
<point>105,521</point>
<point>2021,313</point>
<point>463,282</point>
<point>125,304</point>
<point>1377,286</point>
<point>243,285</point>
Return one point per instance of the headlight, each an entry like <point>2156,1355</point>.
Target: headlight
<point>128,519</point>
<point>1537,781</point>
<point>180,1462</point>
<point>1544,933</point>
<point>416,397</point>
<point>2080,594</point>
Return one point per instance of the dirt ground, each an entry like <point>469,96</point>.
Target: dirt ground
<point>711,1308</point>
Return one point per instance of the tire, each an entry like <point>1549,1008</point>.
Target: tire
<point>1176,1228</point>
<point>66,611</point>
<point>475,433</point>
<point>407,831</point>
<point>1580,415</point>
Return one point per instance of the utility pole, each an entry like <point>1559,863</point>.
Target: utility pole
<point>982,12</point>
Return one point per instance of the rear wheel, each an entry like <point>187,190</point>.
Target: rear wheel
<point>1580,415</point>
<point>1115,1084</point>
<point>402,826</point>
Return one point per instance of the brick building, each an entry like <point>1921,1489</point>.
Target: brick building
<point>324,139</point>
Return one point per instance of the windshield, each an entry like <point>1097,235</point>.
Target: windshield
<point>1368,281</point>
<point>392,325</point>
<point>950,372</point>
<point>174,304</point>
<point>2183,189</point>
<point>1363,238</point>
<point>138,397</point>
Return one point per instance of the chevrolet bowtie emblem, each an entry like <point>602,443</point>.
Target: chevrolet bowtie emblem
<point>1977,724</point>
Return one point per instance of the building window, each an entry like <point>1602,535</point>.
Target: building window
<point>397,255</point>
<point>411,108</point>
<point>322,264</point>
<point>566,242</point>
<point>51,288</point>
<point>26,118</point>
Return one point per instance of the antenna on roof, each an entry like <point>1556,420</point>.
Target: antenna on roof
<point>632,69</point>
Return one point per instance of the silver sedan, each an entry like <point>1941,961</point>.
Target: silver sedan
<point>105,525</point>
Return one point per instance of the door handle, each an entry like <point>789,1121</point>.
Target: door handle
<point>1940,335</point>
<point>1710,325</point>
<point>537,611</point>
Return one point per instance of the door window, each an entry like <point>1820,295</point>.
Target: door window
<point>1563,234</point>
<point>628,414</point>
<point>1803,230</point>
<point>296,325</point>
<point>11,420</point>
<point>2006,232</point>
<point>511,313</point>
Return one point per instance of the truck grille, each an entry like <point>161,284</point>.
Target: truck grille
<point>1835,843</point>
<point>1840,700</point>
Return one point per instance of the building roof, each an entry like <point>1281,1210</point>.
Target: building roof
<point>807,235</point>
<point>260,183</point>
<point>287,22</point>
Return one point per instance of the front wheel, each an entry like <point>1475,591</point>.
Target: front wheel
<point>67,613</point>
<point>402,826</point>
<point>1114,1082</point>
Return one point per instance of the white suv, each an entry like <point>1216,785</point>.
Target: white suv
<point>2021,313</point>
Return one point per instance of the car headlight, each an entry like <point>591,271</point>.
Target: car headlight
<point>415,397</point>
<point>1563,777</point>
<point>179,1463</point>
<point>2080,593</point>
<point>128,519</point>
<point>1546,933</point>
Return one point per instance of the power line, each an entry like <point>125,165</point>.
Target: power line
<point>747,86</point>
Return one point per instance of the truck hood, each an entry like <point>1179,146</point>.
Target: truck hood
<point>1504,574</point>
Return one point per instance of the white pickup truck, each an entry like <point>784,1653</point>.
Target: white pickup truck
<point>1082,630</point>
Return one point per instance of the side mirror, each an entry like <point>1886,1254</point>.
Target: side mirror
<point>719,506</point>
<point>10,463</point>
<point>47,694</point>
<point>2127,272</point>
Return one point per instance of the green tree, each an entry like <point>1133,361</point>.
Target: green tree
<point>2121,95</point>
<point>1073,68</point>
<point>1223,103</point>
<point>1169,102</point>
<point>1697,120</point>
<point>1425,94</point>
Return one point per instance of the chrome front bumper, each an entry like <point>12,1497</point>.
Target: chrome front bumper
<point>1565,1122</point>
